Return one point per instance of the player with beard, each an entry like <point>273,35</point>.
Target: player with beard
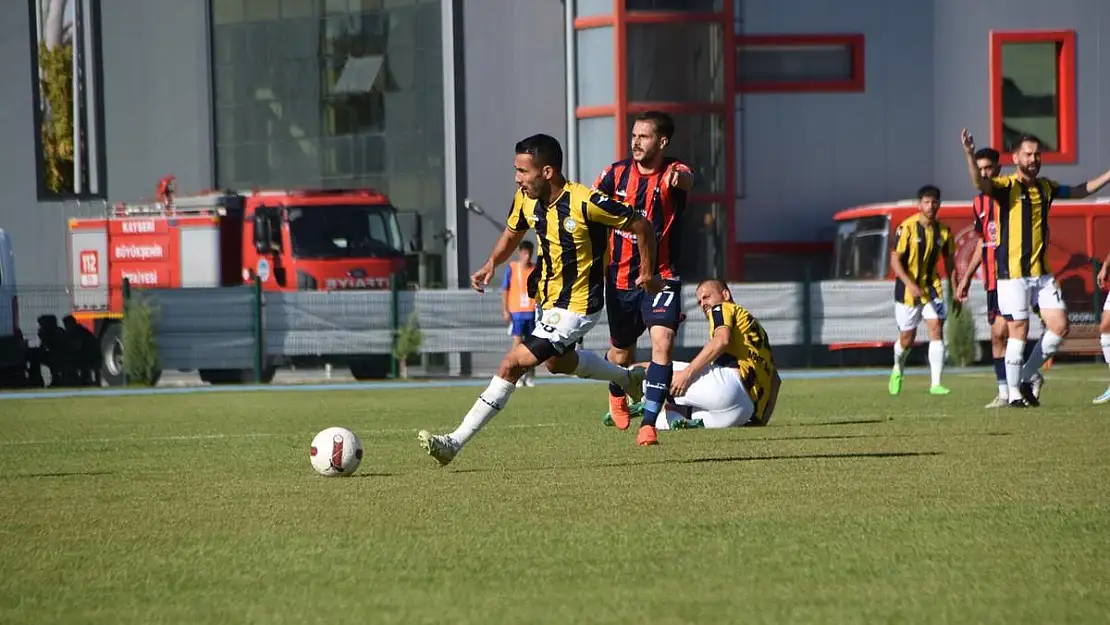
<point>656,185</point>
<point>1021,202</point>
<point>572,223</point>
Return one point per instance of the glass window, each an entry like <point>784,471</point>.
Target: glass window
<point>702,250</point>
<point>67,99</point>
<point>862,249</point>
<point>595,56</point>
<point>699,141</point>
<point>332,93</point>
<point>595,147</point>
<point>343,231</point>
<point>798,65</point>
<point>689,6</point>
<point>1030,93</point>
<point>592,8</point>
<point>675,62</point>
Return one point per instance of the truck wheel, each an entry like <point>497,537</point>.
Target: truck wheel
<point>235,376</point>
<point>111,355</point>
<point>377,367</point>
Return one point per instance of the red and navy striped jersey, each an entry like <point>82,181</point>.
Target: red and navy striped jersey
<point>985,214</point>
<point>660,203</point>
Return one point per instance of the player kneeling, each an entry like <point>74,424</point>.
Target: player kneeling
<point>732,382</point>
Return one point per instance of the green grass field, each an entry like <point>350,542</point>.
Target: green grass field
<point>851,507</point>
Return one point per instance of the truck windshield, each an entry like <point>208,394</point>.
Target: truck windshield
<point>862,251</point>
<point>344,231</point>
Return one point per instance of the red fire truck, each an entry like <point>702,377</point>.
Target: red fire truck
<point>1080,234</point>
<point>293,240</point>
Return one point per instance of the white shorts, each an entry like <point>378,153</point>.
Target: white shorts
<point>1106,302</point>
<point>909,317</point>
<point>562,327</point>
<point>716,396</point>
<point>1015,296</point>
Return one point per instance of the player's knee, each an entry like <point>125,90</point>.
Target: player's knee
<point>619,355</point>
<point>1015,351</point>
<point>560,364</point>
<point>905,338</point>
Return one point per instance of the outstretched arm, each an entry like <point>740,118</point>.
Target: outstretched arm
<point>1087,189</point>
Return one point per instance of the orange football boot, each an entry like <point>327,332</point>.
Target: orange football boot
<point>647,436</point>
<point>618,411</point>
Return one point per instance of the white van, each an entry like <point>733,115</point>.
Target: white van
<point>9,300</point>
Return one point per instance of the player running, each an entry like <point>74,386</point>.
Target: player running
<point>732,382</point>
<point>1104,323</point>
<point>920,241</point>
<point>571,223</point>
<point>518,307</point>
<point>656,185</point>
<point>1022,201</point>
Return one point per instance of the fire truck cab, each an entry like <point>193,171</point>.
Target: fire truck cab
<point>291,240</point>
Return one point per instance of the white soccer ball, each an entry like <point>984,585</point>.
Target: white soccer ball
<point>335,452</point>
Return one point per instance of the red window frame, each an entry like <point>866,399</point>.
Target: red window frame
<point>854,43</point>
<point>1065,88</point>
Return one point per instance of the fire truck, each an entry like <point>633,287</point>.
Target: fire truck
<point>292,240</point>
<point>1079,236</point>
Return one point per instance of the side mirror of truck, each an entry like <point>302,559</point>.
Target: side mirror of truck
<point>261,232</point>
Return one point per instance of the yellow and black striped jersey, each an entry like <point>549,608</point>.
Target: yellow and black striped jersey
<point>748,350</point>
<point>1022,224</point>
<point>572,233</point>
<point>920,247</point>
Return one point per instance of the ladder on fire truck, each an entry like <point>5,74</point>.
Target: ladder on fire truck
<point>167,204</point>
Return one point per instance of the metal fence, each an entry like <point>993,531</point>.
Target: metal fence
<point>244,328</point>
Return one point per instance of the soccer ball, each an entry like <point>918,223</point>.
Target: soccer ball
<point>335,452</point>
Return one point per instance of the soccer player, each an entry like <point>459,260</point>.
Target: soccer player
<point>517,306</point>
<point>920,242</point>
<point>656,185</point>
<point>1023,200</point>
<point>1104,323</point>
<point>732,382</point>
<point>983,215</point>
<point>571,223</point>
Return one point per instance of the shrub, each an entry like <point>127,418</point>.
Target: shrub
<point>140,346</point>
<point>961,335</point>
<point>407,345</point>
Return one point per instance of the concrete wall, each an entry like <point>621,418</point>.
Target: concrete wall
<point>156,122</point>
<point>515,87</point>
<point>805,156</point>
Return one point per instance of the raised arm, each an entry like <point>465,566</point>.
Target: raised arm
<point>1087,189</point>
<point>984,185</point>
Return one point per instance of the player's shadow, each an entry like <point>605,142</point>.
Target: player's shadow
<point>842,422</point>
<point>828,456</point>
<point>377,474</point>
<point>816,456</point>
<point>837,437</point>
<point>21,476</point>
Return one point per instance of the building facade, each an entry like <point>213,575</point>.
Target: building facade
<point>789,110</point>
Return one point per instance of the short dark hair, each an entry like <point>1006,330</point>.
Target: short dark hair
<point>527,245</point>
<point>544,149</point>
<point>928,190</point>
<point>1025,138</point>
<point>664,125</point>
<point>987,153</point>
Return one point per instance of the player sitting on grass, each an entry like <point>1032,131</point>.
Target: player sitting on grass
<point>571,223</point>
<point>732,382</point>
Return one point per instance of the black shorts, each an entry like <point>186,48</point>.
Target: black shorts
<point>630,313</point>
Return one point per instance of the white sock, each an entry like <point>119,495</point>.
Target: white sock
<point>490,402</point>
<point>1105,340</point>
<point>1003,390</point>
<point>591,366</point>
<point>1015,350</point>
<point>1042,351</point>
<point>936,360</point>
<point>900,356</point>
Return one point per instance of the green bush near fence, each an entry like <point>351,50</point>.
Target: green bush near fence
<point>960,331</point>
<point>140,347</point>
<point>409,339</point>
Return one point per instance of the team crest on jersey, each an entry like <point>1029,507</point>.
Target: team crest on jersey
<point>569,224</point>
<point>992,234</point>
